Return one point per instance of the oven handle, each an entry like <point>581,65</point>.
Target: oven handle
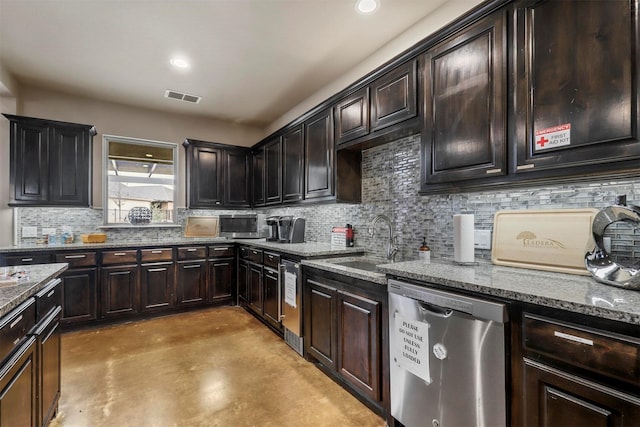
<point>435,310</point>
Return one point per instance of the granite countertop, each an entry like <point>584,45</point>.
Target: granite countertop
<point>38,276</point>
<point>578,294</point>
<point>309,249</point>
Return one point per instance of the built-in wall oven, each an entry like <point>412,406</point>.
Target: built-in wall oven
<point>291,303</point>
<point>447,358</point>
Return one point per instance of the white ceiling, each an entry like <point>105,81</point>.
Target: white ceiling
<point>252,60</point>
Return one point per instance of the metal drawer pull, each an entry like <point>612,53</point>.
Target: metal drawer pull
<point>15,322</point>
<point>16,341</point>
<point>119,254</point>
<point>573,338</point>
<point>50,294</point>
<point>156,252</point>
<point>220,249</point>
<point>254,252</point>
<point>192,266</point>
<point>74,256</point>
<point>155,270</point>
<point>26,259</point>
<point>192,249</point>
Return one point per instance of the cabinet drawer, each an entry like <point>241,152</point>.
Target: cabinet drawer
<point>156,254</point>
<point>194,252</point>
<point>129,256</point>
<point>244,252</point>
<point>28,259</point>
<point>612,355</point>
<point>221,251</point>
<point>15,326</point>
<point>255,255</point>
<point>48,298</point>
<point>271,260</point>
<point>77,259</point>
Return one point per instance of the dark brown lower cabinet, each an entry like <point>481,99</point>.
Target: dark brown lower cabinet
<point>346,332</point>
<point>119,291</point>
<point>192,282</point>
<point>18,387</point>
<point>79,295</point>
<point>243,282</point>
<point>157,286</point>
<point>255,288</point>
<point>556,398</point>
<point>221,279</point>
<point>271,297</point>
<point>49,368</point>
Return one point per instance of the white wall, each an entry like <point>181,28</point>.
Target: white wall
<point>123,120</point>
<point>442,16</point>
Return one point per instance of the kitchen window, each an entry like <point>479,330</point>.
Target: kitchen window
<point>140,181</point>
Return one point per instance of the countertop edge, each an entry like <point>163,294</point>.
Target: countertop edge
<point>25,291</point>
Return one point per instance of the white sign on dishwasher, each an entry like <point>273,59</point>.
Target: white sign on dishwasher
<point>411,347</point>
<point>290,280</point>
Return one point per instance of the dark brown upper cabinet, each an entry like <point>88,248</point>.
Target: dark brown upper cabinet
<point>394,96</point>
<point>576,81</point>
<point>218,175</point>
<point>464,135</point>
<point>293,165</point>
<point>257,177</point>
<point>237,182</point>
<point>273,171</point>
<point>352,116</point>
<point>319,156</point>
<point>50,162</point>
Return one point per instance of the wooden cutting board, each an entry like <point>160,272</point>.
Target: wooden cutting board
<point>201,226</point>
<point>552,240</point>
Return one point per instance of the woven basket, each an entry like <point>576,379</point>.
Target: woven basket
<point>94,238</point>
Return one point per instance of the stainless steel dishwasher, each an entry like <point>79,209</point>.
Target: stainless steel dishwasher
<point>447,357</point>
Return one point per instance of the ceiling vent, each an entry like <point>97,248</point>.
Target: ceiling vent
<point>182,96</point>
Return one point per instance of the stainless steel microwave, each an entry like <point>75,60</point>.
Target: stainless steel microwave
<point>243,226</point>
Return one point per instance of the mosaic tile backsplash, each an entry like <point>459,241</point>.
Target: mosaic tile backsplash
<point>390,185</point>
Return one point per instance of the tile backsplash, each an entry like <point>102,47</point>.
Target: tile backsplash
<point>390,185</point>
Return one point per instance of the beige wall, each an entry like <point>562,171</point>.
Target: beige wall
<point>8,93</point>
<point>122,120</point>
<point>445,14</point>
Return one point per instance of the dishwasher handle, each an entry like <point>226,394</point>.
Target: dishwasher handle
<point>445,313</point>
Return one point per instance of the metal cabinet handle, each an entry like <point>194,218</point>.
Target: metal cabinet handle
<point>26,260</point>
<point>192,266</point>
<point>16,341</point>
<point>74,256</point>
<point>156,252</point>
<point>254,252</point>
<point>15,322</point>
<point>119,254</point>
<point>573,338</point>
<point>192,249</point>
<point>220,249</point>
<point>50,294</point>
<point>155,270</point>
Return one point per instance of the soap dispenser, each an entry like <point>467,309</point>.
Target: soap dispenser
<point>424,253</point>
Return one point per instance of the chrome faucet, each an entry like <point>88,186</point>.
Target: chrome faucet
<point>392,249</point>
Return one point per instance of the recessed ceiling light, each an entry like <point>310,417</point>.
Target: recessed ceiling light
<point>179,62</point>
<point>367,6</point>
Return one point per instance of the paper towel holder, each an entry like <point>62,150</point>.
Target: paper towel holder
<point>463,245</point>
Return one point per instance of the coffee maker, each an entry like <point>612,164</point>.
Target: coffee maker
<point>272,224</point>
<point>291,229</point>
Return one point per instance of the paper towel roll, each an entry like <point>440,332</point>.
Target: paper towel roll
<point>463,238</point>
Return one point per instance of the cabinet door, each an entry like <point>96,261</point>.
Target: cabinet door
<point>18,385</point>
<point>157,286</point>
<point>70,170</point>
<point>576,81</point>
<point>394,97</point>
<point>119,290</point>
<point>243,283</point>
<point>271,286</point>
<point>192,282</point>
<point>321,330</point>
<point>79,295</point>
<point>319,156</point>
<point>359,334</point>
<point>273,171</point>
<point>204,176</point>
<point>29,176</point>
<point>255,288</point>
<point>464,135</point>
<point>49,350</point>
<point>237,184</point>
<point>352,116</point>
<point>221,279</point>
<point>257,178</point>
<point>293,165</point>
<point>556,398</point>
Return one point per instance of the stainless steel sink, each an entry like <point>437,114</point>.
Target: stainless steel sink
<point>360,265</point>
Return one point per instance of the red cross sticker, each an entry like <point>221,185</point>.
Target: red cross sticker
<point>542,141</point>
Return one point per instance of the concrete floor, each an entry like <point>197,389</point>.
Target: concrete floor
<point>214,367</point>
